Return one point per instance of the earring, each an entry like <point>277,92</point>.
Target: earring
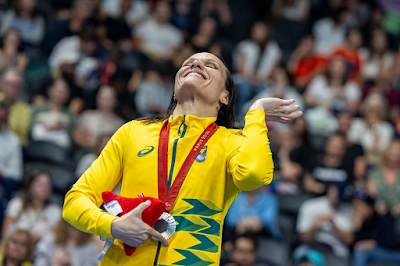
<point>174,98</point>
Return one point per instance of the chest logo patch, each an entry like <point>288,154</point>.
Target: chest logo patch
<point>145,151</point>
<point>202,156</point>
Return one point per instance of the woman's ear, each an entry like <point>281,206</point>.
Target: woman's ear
<point>224,99</point>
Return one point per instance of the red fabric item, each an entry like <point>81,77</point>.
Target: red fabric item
<point>352,58</point>
<point>149,215</point>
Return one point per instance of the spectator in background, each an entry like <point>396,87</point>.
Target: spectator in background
<point>244,251</point>
<point>329,167</point>
<point>32,210</point>
<point>372,131</point>
<point>296,10</point>
<point>153,96</point>
<point>254,212</point>
<point>375,56</point>
<point>11,84</point>
<point>81,14</point>
<point>384,181</point>
<point>25,18</point>
<point>219,10</point>
<point>86,160</point>
<point>157,38</point>
<point>304,64</point>
<point>255,60</point>
<point>374,237</point>
<point>350,51</point>
<point>83,47</point>
<point>329,32</point>
<point>202,41</point>
<point>136,14</point>
<point>277,86</point>
<point>334,88</point>
<point>325,224</point>
<point>10,156</point>
<point>16,249</point>
<point>11,55</point>
<point>287,179</point>
<point>52,121</point>
<point>103,120</point>
<point>66,246</point>
<point>115,31</point>
<point>383,85</point>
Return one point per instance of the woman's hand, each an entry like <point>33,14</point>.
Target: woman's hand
<point>277,110</point>
<point>131,229</point>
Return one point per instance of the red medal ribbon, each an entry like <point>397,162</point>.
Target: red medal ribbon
<point>169,196</point>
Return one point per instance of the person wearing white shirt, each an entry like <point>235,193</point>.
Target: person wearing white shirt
<point>10,155</point>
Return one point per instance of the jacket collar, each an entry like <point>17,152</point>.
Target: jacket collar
<point>194,124</point>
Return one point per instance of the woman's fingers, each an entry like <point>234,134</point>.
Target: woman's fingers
<point>287,102</point>
<point>289,109</point>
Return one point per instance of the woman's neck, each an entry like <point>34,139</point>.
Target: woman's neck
<point>37,205</point>
<point>195,108</point>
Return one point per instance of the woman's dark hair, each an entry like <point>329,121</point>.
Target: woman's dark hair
<point>345,76</point>
<point>26,196</point>
<point>226,115</point>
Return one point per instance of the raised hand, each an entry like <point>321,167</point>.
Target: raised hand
<point>278,110</point>
<point>131,229</point>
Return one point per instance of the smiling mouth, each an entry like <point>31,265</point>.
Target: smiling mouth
<point>196,74</point>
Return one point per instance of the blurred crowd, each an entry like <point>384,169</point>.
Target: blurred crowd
<point>73,72</point>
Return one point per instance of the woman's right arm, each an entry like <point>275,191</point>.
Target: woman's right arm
<point>82,202</point>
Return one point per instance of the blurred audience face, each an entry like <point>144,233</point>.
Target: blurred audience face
<point>344,121</point>
<point>163,12</point>
<point>379,40</point>
<point>208,26</point>
<point>354,39</point>
<point>392,154</point>
<point>11,85</point>
<point>27,5</point>
<point>307,44</point>
<point>335,146</point>
<point>259,32</point>
<point>337,67</point>
<point>18,246</point>
<point>12,40</point>
<point>106,99</point>
<point>41,187</point>
<point>280,76</point>
<point>59,92</point>
<point>374,106</point>
<point>244,253</point>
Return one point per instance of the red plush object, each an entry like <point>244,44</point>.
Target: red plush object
<point>149,215</point>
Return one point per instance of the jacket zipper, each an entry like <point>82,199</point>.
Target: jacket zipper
<point>181,134</point>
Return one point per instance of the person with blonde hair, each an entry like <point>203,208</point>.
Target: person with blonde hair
<point>16,249</point>
<point>372,132</point>
<point>66,246</point>
<point>384,181</point>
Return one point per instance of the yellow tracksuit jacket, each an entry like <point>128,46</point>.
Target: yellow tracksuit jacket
<point>231,161</point>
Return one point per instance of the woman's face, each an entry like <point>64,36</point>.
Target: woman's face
<point>41,187</point>
<point>17,247</point>
<point>335,146</point>
<point>259,33</point>
<point>338,67</point>
<point>106,99</point>
<point>59,92</point>
<point>361,208</point>
<point>202,75</point>
<point>355,39</point>
<point>12,39</point>
<point>379,41</point>
<point>393,153</point>
<point>28,5</point>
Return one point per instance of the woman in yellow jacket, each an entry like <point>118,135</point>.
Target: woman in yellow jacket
<point>200,118</point>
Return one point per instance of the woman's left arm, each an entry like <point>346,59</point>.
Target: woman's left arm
<point>252,166</point>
